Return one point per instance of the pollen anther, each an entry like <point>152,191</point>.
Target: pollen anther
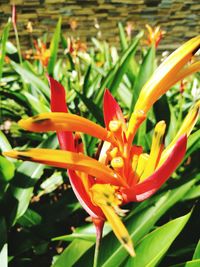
<point>115,125</point>
<point>117,163</point>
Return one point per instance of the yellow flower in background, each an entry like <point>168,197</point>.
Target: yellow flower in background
<point>154,35</point>
<point>42,53</point>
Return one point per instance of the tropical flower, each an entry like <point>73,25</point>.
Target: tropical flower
<point>122,172</point>
<point>75,46</point>
<point>42,53</point>
<point>154,35</point>
<point>129,28</point>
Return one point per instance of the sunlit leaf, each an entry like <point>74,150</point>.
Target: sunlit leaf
<point>7,169</point>
<point>196,255</point>
<point>153,247</point>
<point>72,253</point>
<point>30,78</point>
<point>3,41</point>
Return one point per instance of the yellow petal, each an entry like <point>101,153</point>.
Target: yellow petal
<point>186,128</point>
<point>156,149</point>
<point>118,228</point>
<point>104,197</point>
<point>157,85</point>
<point>68,160</point>
<point>142,161</point>
<point>59,121</point>
<point>136,119</point>
<point>183,73</point>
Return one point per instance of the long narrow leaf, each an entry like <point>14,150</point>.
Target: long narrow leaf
<point>23,184</point>
<point>93,108</point>
<point>72,253</point>
<point>153,247</point>
<point>54,48</point>
<point>30,78</point>
<point>4,143</point>
<point>4,39</point>
<point>146,69</point>
<point>196,255</point>
<point>109,79</point>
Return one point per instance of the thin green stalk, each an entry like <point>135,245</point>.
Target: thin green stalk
<point>4,39</point>
<point>96,253</point>
<point>99,230</point>
<point>180,105</point>
<point>18,44</point>
<point>19,51</point>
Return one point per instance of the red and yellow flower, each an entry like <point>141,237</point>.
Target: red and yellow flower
<point>42,53</point>
<point>122,172</point>
<point>154,35</point>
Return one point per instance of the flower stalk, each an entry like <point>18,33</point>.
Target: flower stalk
<point>14,22</point>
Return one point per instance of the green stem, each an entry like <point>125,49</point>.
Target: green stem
<point>19,51</point>
<point>96,253</point>
<point>180,115</point>
<point>18,45</point>
<point>99,230</point>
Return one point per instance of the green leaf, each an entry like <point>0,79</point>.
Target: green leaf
<point>30,78</point>
<point>171,127</point>
<point>52,183</point>
<point>124,95</point>
<point>120,68</point>
<point>93,108</point>
<point>162,111</point>
<point>122,36</point>
<point>7,169</point>
<point>30,218</point>
<point>86,80</point>
<point>86,232</point>
<point>3,232</point>
<point>4,256</point>
<point>132,66</point>
<point>72,253</point>
<point>193,143</point>
<point>193,263</point>
<point>35,104</point>
<point>4,143</point>
<point>146,69</point>
<point>23,184</point>
<point>10,48</point>
<point>193,193</point>
<point>153,247</point>
<point>196,255</point>
<point>123,67</point>
<point>3,41</point>
<point>54,48</point>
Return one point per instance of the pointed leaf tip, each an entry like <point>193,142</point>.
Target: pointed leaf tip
<point>111,109</point>
<point>58,98</point>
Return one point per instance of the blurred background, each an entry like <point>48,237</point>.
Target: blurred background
<point>99,18</point>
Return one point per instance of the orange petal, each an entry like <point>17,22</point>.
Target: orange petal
<point>59,121</point>
<point>68,160</point>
